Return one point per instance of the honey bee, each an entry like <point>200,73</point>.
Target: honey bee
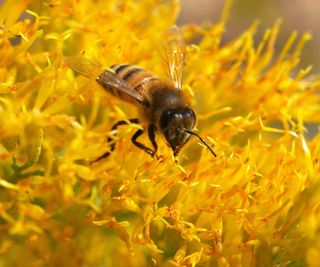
<point>162,103</point>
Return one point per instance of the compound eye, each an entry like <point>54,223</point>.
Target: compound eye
<point>165,118</point>
<point>189,114</point>
<point>189,119</point>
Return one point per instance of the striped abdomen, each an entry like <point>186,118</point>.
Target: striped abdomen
<point>138,79</point>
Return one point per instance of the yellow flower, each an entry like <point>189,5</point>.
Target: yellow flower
<point>256,204</point>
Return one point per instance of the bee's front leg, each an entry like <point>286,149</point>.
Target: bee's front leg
<point>151,133</point>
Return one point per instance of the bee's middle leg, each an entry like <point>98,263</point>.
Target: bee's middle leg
<point>151,133</point>
<point>110,139</point>
<point>152,137</point>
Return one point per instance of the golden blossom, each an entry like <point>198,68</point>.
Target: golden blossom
<point>256,204</point>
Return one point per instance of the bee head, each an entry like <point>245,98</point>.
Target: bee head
<point>175,125</point>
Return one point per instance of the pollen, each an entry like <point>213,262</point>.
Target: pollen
<point>256,204</point>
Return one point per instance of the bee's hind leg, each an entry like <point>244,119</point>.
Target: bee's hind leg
<point>110,139</point>
<point>151,134</point>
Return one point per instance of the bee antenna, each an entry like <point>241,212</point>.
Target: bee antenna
<point>204,142</point>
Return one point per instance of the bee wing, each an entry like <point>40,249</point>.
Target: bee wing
<point>175,53</point>
<point>94,71</point>
<point>109,79</point>
<point>84,66</point>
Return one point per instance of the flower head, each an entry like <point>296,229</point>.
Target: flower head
<point>257,203</point>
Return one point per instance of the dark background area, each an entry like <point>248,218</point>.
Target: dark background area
<point>300,15</point>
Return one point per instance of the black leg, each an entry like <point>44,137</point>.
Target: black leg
<point>176,151</point>
<point>110,139</point>
<point>152,137</point>
<point>142,146</point>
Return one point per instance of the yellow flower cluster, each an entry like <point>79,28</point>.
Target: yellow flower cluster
<point>256,204</point>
